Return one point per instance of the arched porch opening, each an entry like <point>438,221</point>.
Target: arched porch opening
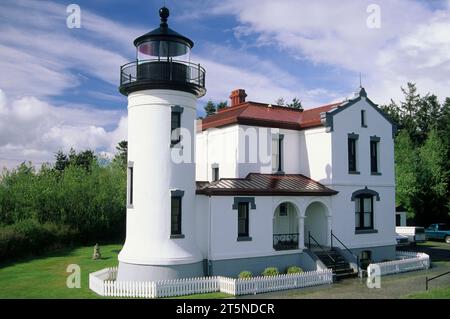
<point>316,225</point>
<point>285,227</point>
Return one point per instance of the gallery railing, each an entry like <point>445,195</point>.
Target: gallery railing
<point>285,241</point>
<point>161,70</point>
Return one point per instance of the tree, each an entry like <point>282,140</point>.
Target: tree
<point>393,111</point>
<point>427,116</point>
<point>222,105</point>
<point>210,108</point>
<point>83,159</point>
<point>296,104</point>
<point>121,157</point>
<point>408,110</point>
<point>407,165</point>
<point>434,177</point>
<point>280,101</point>
<point>62,161</point>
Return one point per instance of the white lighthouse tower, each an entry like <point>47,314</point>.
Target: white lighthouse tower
<point>162,86</point>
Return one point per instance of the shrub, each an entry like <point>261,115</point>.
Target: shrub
<point>53,207</point>
<point>245,274</point>
<point>28,237</point>
<point>270,271</point>
<point>294,270</point>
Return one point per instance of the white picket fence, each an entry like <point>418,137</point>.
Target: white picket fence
<point>257,285</point>
<point>406,261</point>
<point>103,283</point>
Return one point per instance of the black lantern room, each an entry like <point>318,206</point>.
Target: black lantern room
<point>163,62</point>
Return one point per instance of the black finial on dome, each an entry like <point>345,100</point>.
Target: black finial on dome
<point>164,14</point>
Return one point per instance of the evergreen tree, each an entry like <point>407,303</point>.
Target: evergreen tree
<point>210,108</point>
<point>222,105</point>
<point>427,117</point>
<point>408,110</point>
<point>121,157</point>
<point>392,110</point>
<point>61,162</point>
<point>296,104</point>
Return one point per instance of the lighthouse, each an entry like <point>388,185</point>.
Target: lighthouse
<point>162,86</point>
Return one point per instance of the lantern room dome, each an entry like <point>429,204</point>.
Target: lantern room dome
<point>164,33</point>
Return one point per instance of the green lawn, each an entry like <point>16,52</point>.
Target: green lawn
<point>45,276</point>
<point>440,293</point>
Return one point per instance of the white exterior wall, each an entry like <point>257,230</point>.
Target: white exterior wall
<point>315,154</point>
<point>217,146</point>
<point>349,121</point>
<point>241,149</point>
<point>155,175</point>
<point>343,222</point>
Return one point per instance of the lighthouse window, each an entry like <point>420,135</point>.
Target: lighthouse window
<point>176,125</point>
<point>243,220</point>
<point>130,185</point>
<point>175,214</point>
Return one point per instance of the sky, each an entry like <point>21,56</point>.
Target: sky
<point>58,85</point>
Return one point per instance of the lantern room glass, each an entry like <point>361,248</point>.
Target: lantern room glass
<point>162,50</point>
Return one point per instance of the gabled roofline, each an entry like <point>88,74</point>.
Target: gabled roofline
<point>327,117</point>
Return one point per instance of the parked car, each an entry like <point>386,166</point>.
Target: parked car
<point>438,231</point>
<point>402,240</point>
<point>415,234</point>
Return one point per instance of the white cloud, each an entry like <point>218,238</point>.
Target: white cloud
<point>411,45</point>
<point>229,69</point>
<point>31,129</point>
<point>42,57</point>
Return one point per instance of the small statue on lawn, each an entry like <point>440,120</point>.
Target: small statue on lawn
<point>96,254</point>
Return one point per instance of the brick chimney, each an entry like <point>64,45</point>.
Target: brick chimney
<point>237,97</point>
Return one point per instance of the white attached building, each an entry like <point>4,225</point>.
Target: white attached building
<point>264,185</point>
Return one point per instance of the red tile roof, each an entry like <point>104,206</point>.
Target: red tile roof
<point>265,185</point>
<point>259,114</point>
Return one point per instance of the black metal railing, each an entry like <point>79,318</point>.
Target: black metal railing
<point>345,247</point>
<point>427,280</point>
<point>159,70</point>
<point>320,246</point>
<point>285,241</point>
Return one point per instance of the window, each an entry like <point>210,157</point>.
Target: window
<point>283,210</point>
<point>352,146</point>
<point>176,215</point>
<point>363,118</point>
<point>243,220</point>
<point>215,174</point>
<point>175,123</point>
<point>364,212</point>
<point>277,153</point>
<point>130,185</point>
<point>398,220</point>
<point>374,158</point>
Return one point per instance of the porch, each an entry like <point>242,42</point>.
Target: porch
<point>292,231</point>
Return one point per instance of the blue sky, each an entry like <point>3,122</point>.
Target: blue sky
<point>58,86</point>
